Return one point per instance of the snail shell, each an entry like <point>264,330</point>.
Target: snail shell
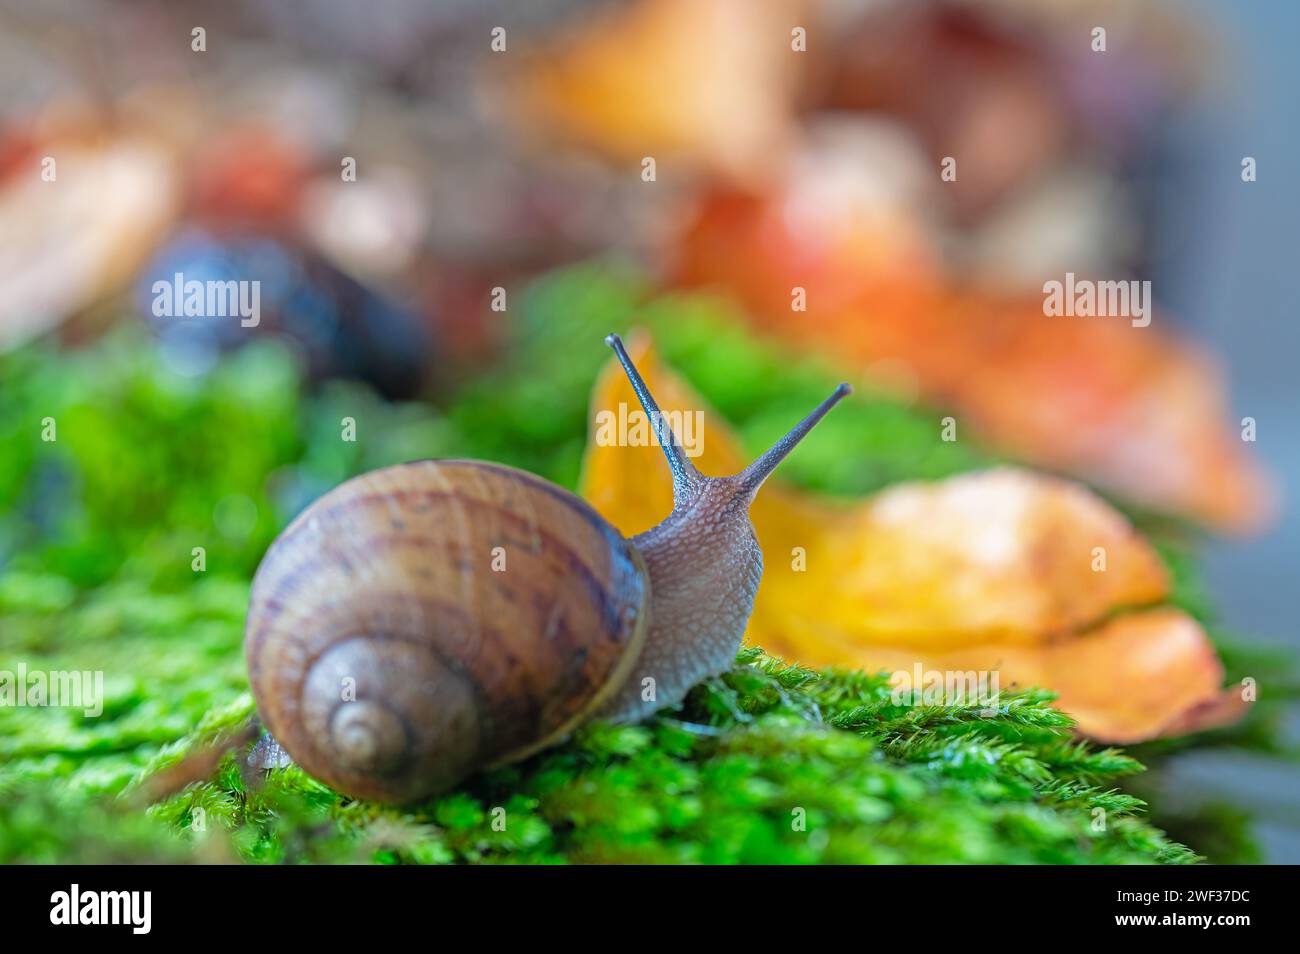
<point>391,660</point>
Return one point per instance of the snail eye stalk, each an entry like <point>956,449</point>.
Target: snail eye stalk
<point>685,476</point>
<point>752,477</point>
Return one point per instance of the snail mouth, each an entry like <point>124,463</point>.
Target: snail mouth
<point>368,737</point>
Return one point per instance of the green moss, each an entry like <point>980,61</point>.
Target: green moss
<point>767,764</point>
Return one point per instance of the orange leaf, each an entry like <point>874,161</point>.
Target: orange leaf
<point>706,80</point>
<point>1139,676</point>
<point>1134,409</point>
<point>1003,571</point>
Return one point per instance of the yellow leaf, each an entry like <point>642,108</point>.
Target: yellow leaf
<point>1004,571</point>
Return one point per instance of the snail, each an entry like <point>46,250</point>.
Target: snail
<point>423,621</point>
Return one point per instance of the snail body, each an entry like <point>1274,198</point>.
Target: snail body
<point>423,621</point>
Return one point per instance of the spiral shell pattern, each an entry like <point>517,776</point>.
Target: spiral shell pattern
<point>423,621</point>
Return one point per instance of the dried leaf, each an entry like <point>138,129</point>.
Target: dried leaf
<point>1133,409</point>
<point>1003,570</point>
<point>706,80</point>
<point>1136,677</point>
